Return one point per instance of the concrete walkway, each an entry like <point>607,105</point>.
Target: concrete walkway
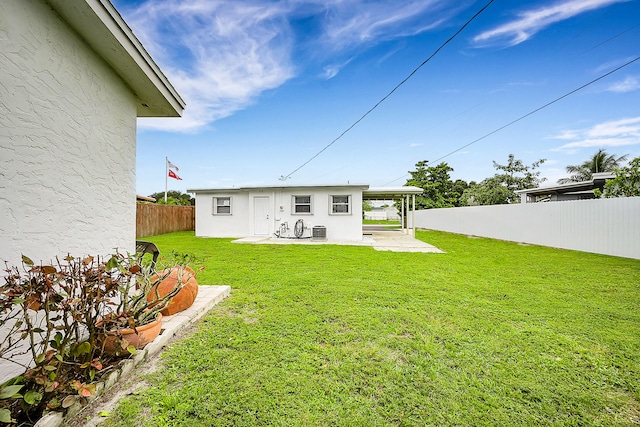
<point>379,238</point>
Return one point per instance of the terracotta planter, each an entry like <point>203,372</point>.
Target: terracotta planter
<point>114,341</point>
<point>183,299</point>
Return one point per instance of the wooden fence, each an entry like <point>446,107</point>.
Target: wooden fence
<point>153,219</point>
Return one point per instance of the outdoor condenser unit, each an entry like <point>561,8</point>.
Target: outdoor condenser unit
<point>319,232</point>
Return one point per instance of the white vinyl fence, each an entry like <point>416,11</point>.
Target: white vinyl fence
<point>603,226</point>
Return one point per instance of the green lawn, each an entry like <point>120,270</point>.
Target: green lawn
<point>489,333</point>
<point>380,221</point>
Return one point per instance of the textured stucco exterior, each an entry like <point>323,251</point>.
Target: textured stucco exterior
<point>67,141</point>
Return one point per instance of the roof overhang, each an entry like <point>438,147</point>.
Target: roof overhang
<point>573,187</point>
<point>280,187</point>
<point>390,193</point>
<point>100,25</point>
<point>145,199</point>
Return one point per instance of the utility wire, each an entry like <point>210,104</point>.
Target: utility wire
<point>285,177</point>
<point>528,114</point>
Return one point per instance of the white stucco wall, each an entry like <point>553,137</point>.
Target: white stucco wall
<point>234,225</point>
<point>339,227</point>
<point>67,141</point>
<point>241,222</point>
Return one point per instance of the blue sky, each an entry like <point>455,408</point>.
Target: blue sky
<point>268,84</point>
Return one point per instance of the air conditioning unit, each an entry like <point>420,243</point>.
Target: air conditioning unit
<point>319,232</point>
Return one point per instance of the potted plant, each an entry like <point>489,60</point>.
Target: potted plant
<point>134,317</point>
<point>180,275</point>
<point>57,320</point>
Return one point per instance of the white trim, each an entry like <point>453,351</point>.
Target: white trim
<point>294,204</point>
<point>348,204</point>
<point>214,208</point>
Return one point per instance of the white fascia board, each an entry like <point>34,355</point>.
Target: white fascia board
<point>100,25</point>
<point>391,192</point>
<point>276,187</point>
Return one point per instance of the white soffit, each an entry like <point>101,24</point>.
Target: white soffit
<point>387,193</point>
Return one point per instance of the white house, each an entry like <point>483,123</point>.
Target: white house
<point>333,212</point>
<point>73,80</point>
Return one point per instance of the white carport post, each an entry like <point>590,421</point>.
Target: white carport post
<point>403,224</point>
<point>413,216</point>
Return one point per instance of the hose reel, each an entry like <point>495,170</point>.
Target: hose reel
<point>298,229</point>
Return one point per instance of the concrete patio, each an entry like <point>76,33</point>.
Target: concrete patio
<point>379,237</point>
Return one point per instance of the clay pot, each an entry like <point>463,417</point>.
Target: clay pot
<point>183,299</point>
<point>114,341</point>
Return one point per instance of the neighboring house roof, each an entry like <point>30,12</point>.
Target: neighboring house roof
<point>583,187</point>
<point>103,29</point>
<point>145,199</point>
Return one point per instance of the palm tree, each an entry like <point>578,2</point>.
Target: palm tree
<point>600,162</point>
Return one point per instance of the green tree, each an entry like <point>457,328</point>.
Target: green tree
<point>490,191</point>
<point>500,188</point>
<point>627,181</point>
<point>459,187</point>
<point>439,190</point>
<point>174,198</point>
<point>599,162</point>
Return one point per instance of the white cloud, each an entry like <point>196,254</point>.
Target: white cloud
<point>614,133</point>
<point>352,23</point>
<point>566,134</point>
<point>221,55</point>
<point>330,71</point>
<point>531,21</point>
<point>629,84</point>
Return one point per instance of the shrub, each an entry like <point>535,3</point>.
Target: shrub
<point>52,321</point>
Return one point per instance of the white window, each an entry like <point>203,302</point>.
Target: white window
<point>302,205</point>
<point>222,205</point>
<point>340,205</point>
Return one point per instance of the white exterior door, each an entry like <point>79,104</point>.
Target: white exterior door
<point>261,216</point>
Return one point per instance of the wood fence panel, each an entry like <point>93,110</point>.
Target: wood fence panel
<point>152,220</point>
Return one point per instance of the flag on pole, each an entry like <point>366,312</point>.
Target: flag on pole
<point>172,174</point>
<point>171,165</point>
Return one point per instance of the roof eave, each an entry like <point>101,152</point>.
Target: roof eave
<point>274,187</point>
<point>385,193</point>
<point>100,25</point>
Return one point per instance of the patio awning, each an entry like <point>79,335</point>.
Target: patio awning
<point>390,193</point>
<point>407,194</point>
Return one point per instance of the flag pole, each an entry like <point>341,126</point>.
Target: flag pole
<point>166,177</point>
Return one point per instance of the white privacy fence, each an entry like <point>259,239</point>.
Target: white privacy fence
<point>603,226</point>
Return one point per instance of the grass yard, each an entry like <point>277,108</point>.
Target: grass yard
<point>490,333</point>
<point>380,221</point>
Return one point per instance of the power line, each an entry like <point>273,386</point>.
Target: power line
<point>529,114</point>
<point>285,177</point>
